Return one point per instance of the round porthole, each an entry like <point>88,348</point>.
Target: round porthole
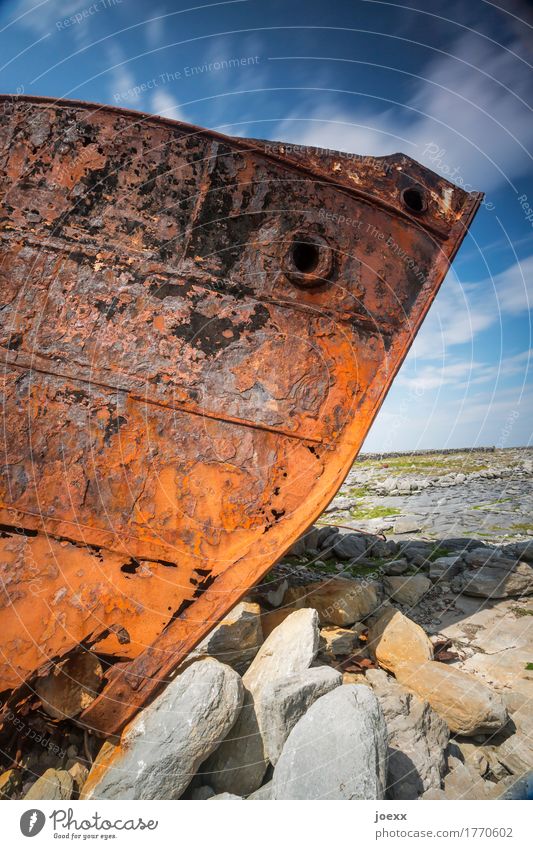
<point>414,200</point>
<point>308,260</point>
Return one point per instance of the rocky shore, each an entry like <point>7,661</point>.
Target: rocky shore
<point>388,655</point>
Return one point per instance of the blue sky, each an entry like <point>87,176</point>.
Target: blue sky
<point>448,83</point>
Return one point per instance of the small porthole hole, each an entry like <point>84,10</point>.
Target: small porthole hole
<point>305,256</point>
<point>414,200</point>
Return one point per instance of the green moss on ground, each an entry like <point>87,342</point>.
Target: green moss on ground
<point>489,504</point>
<point>522,611</point>
<point>376,511</point>
<point>436,464</point>
<point>438,552</point>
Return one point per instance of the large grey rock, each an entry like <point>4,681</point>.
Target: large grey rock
<point>236,639</point>
<point>274,595</point>
<point>499,578</point>
<point>415,548</point>
<point>384,548</point>
<point>521,550</point>
<point>326,536</point>
<point>418,738</point>
<point>458,545</point>
<point>53,784</point>
<point>350,546</point>
<point>163,747</point>
<point>395,567</point>
<point>263,793</point>
<point>288,650</point>
<point>407,590</point>
<point>338,749</point>
<point>339,504</point>
<point>240,763</point>
<point>482,555</point>
<point>203,793</point>
<point>285,700</point>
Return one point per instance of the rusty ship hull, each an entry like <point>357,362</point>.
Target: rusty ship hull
<point>197,332</point>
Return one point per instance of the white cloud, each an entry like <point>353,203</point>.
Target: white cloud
<point>41,17</point>
<point>483,418</point>
<point>429,377</point>
<point>476,115</point>
<point>461,374</point>
<point>457,315</point>
<point>336,129</point>
<point>465,118</point>
<point>46,18</point>
<point>462,310</point>
<point>154,29</point>
<point>122,81</point>
<point>514,287</point>
<point>162,103</point>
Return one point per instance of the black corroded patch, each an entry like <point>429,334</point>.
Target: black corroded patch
<point>207,333</point>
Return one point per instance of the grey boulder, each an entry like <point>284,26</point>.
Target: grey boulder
<point>500,578</point>
<point>409,589</point>
<point>223,797</point>
<point>350,546</point>
<point>338,749</point>
<point>417,737</point>
<point>239,764</point>
<point>162,748</point>
<point>285,700</point>
<point>262,794</point>
<point>395,567</point>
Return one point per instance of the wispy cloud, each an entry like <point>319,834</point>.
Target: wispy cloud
<point>49,17</point>
<point>463,310</point>
<point>463,373</point>
<point>40,18</point>
<point>121,79</point>
<point>154,29</point>
<point>162,103</point>
<point>470,105</point>
<point>467,419</point>
<point>514,287</point>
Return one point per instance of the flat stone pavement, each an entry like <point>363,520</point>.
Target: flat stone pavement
<point>482,495</point>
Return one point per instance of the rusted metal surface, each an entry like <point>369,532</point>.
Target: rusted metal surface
<point>196,335</point>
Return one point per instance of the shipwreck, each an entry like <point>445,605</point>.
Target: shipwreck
<point>196,334</point>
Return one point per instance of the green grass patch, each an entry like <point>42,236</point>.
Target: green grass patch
<point>522,526</point>
<point>522,611</point>
<point>436,464</point>
<point>438,552</point>
<point>359,492</point>
<point>489,504</point>
<point>529,667</point>
<point>376,512</point>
